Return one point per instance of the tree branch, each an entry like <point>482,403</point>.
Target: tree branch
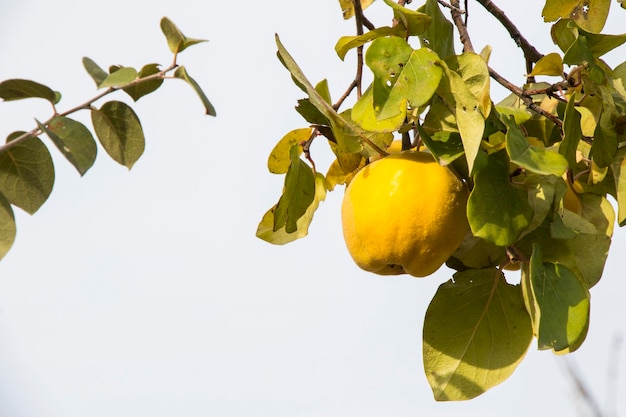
<point>460,26</point>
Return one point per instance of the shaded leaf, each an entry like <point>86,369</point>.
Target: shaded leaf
<point>572,133</point>
<point>26,173</point>
<point>176,41</point>
<point>74,141</point>
<point>140,89</point>
<point>445,146</point>
<point>476,332</point>
<point>94,71</point>
<point>298,194</point>
<point>533,158</point>
<point>119,130</point>
<point>181,72</point>
<point>497,210</point>
<point>439,36</point>
<point>18,89</point>
<point>265,230</point>
<point>280,159</point>
<point>561,302</point>
<point>8,229</point>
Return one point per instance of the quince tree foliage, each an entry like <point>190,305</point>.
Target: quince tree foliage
<point>539,165</point>
<point>26,168</point>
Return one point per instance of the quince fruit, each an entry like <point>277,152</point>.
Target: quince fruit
<point>404,213</point>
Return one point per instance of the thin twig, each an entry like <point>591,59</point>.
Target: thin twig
<point>530,53</point>
<point>582,389</point>
<point>460,26</point>
<point>84,106</point>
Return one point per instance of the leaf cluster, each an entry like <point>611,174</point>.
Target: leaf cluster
<point>26,168</point>
<point>540,165</point>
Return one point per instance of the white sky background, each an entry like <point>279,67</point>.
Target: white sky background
<point>147,293</point>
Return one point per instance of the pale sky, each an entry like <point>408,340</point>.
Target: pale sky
<point>147,292</point>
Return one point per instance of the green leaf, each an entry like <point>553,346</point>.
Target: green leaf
<point>477,253</point>
<point>580,45</point>
<point>346,43</point>
<point>265,230</point>
<point>533,158</point>
<point>119,78</point>
<point>497,210</point>
<point>572,133</point>
<point>364,114</point>
<point>142,88</point>
<point>589,14</point>
<point>476,332</point>
<point>18,89</point>
<point>119,131</point>
<point>445,146</point>
<point>541,194</point>
<point>176,41</point>
<point>414,22</point>
<point>74,141</point>
<point>8,229</point>
<point>298,194</point>
<point>605,140</point>
<point>561,303</point>
<point>347,7</point>
<point>280,159</point>
<point>456,90</point>
<point>26,173</point>
<point>402,76</point>
<point>94,71</point>
<point>439,36</point>
<point>181,72</point>
<point>551,64</point>
<point>349,137</point>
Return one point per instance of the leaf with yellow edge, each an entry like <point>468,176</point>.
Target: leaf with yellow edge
<point>476,332</point>
<point>279,159</point>
<point>551,64</point>
<point>265,230</point>
<point>347,7</point>
<point>589,14</point>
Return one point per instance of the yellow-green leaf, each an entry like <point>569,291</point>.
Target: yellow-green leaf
<point>476,332</point>
<point>279,159</point>
<point>7,226</point>
<point>347,7</point>
<point>551,64</point>
<point>589,14</point>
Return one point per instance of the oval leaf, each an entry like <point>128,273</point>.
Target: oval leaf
<point>279,159</point>
<point>26,173</point>
<point>476,332</point>
<point>119,78</point>
<point>17,89</point>
<point>119,131</point>
<point>74,141</point>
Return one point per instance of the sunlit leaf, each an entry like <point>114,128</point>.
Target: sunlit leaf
<point>402,76</point>
<point>497,210</point>
<point>140,89</point>
<point>619,170</point>
<point>580,45</point>
<point>336,175</point>
<point>298,194</point>
<point>346,43</point>
<point>589,14</point>
<point>119,131</point>
<point>551,64</point>
<point>533,158</point>
<point>18,89</point>
<point>181,72</point>
<point>561,317</point>
<point>176,41</point>
<point>364,114</point>
<point>119,78</point>
<point>349,137</point>
<point>476,332</point>
<point>26,173</point>
<point>74,141</point>
<point>8,229</point>
<point>347,7</point>
<point>414,22</point>
<point>439,36</point>
<point>280,159</point>
<point>265,230</point>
